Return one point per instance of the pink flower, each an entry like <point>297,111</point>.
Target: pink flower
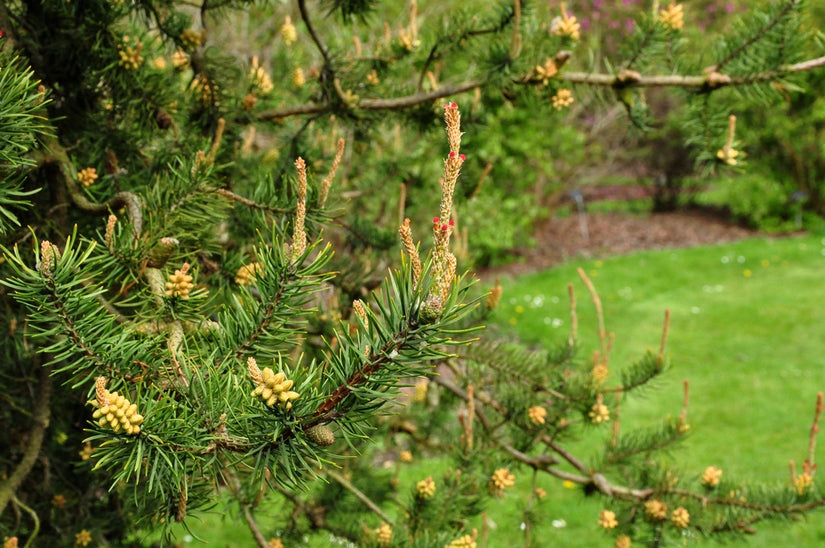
<point>629,26</point>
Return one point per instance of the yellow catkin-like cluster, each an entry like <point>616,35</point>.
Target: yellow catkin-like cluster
<point>607,519</point>
<point>802,483</point>
<point>130,57</point>
<point>405,456</point>
<point>115,411</point>
<point>248,103</point>
<point>288,32</point>
<point>83,538</point>
<point>501,480</point>
<point>180,283</point>
<point>680,518</point>
<point>656,510</point>
<point>179,59</point>
<point>425,489</point>
<point>275,543</point>
<point>272,388</point>
<point>537,414</point>
<point>59,501</point>
<point>599,413</point>
<point>297,77</point>
<point>87,176</point>
<point>672,17</point>
<point>260,78</point>
<point>566,25</point>
<point>599,373</point>
<point>191,39</point>
<point>87,451</point>
<point>494,296</point>
<point>562,99</point>
<point>623,541</point>
<point>727,153</point>
<point>207,92</point>
<point>467,541</point>
<point>711,475</point>
<point>248,274</point>
<point>546,71</point>
<point>420,391</point>
<point>383,535</point>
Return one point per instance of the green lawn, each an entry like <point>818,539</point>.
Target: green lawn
<point>746,331</point>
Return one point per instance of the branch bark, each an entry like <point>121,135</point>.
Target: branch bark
<point>711,81</point>
<point>40,418</point>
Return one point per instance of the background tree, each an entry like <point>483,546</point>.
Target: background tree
<point>179,332</point>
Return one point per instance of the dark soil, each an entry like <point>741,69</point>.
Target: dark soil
<point>558,240</point>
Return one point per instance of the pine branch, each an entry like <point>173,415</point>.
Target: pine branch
<point>325,412</point>
<point>626,79</point>
<point>132,203</point>
<point>360,495</point>
<point>545,463</point>
<point>375,104</point>
<point>316,39</point>
<point>260,540</point>
<point>758,35</point>
<point>40,420</point>
<point>250,203</point>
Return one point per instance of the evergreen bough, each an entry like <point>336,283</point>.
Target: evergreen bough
<point>192,317</point>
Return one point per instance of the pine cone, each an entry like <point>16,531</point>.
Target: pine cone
<point>322,435</point>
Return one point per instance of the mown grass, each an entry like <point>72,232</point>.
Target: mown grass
<point>746,331</point>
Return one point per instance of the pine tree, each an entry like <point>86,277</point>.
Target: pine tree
<point>195,315</point>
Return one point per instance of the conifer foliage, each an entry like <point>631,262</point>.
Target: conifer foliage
<point>194,315</point>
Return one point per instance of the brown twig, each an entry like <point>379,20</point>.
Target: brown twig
<point>40,420</point>
<point>597,303</point>
<point>260,540</point>
<point>663,345</point>
<point>515,41</point>
<point>574,319</point>
<point>346,484</point>
<point>377,359</point>
<point>322,48</point>
<point>249,203</point>
<point>811,463</point>
<point>706,81</point>
<point>57,154</point>
<point>683,414</point>
<point>375,104</point>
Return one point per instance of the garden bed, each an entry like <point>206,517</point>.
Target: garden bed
<point>603,234</point>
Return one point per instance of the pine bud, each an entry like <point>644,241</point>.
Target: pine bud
<point>430,310</point>
<point>322,435</point>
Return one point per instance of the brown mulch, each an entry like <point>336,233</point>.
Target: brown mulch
<point>558,240</point>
